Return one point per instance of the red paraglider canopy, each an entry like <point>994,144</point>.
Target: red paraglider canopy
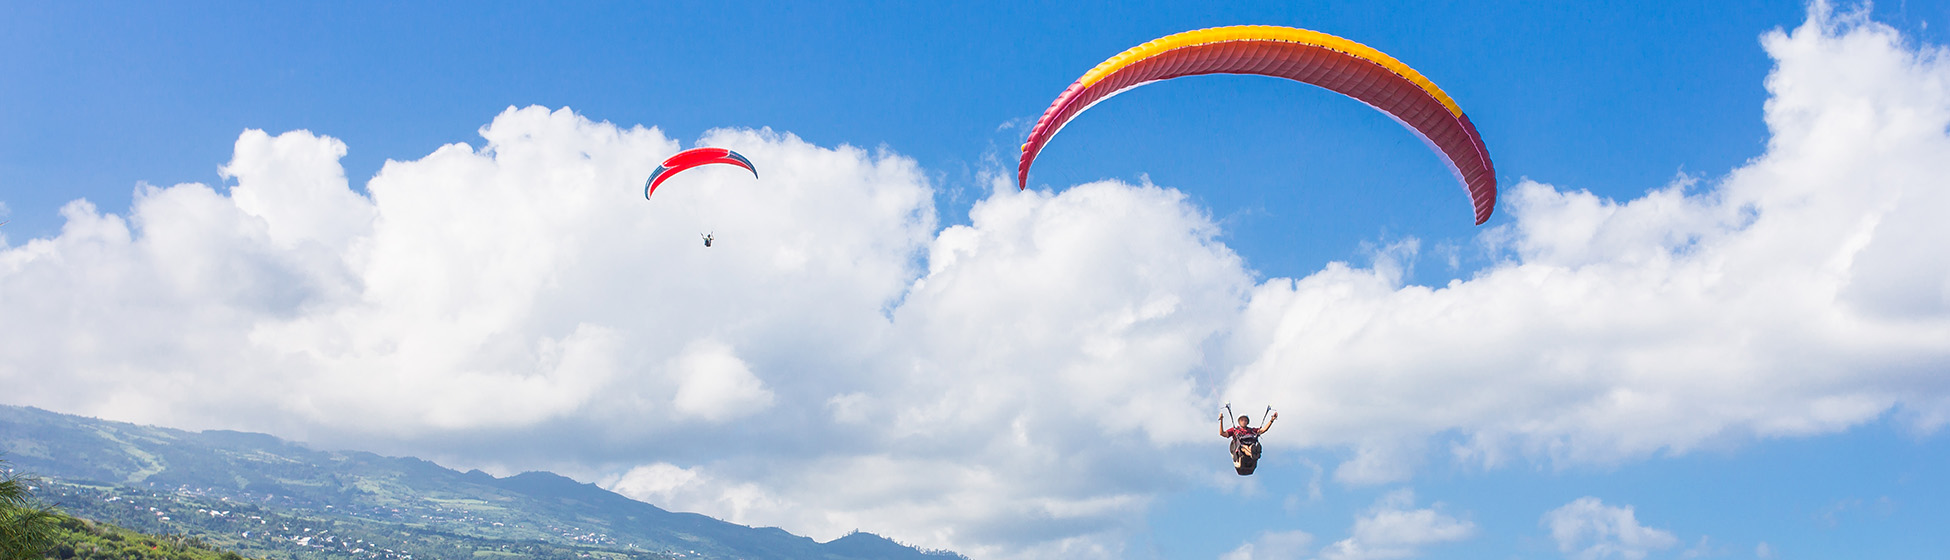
<point>692,158</point>
<point>1312,57</point>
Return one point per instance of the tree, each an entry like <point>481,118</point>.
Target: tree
<point>26,526</point>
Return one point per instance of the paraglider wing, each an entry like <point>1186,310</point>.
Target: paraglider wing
<point>1331,62</point>
<point>692,158</point>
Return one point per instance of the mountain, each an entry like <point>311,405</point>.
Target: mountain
<point>263,496</point>
<point>90,540</point>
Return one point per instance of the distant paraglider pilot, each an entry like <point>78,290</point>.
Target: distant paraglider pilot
<point>692,158</point>
<point>1245,441</point>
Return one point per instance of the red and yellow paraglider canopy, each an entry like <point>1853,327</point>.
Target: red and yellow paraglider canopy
<point>1334,63</point>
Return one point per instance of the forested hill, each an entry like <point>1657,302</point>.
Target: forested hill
<point>260,495</point>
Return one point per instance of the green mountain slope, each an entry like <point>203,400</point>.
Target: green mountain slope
<point>81,539</point>
<point>263,496</point>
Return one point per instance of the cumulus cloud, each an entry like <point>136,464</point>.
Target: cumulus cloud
<point>664,483</point>
<point>1587,529</point>
<point>1046,346</point>
<point>1803,293</point>
<point>1017,387</point>
<point>519,304</point>
<point>1394,528</point>
<point>713,383</point>
<point>520,284</point>
<point>1272,545</point>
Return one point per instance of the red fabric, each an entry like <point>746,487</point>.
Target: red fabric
<point>1454,138</point>
<point>692,158</point>
<point>1237,432</point>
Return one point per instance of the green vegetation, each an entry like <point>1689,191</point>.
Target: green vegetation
<point>277,531</point>
<point>31,530</point>
<point>26,526</point>
<point>82,539</point>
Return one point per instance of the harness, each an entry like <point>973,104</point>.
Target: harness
<point>1244,438</point>
<point>1245,445</point>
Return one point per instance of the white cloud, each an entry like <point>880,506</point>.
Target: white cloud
<point>523,292</point>
<point>1017,387</point>
<point>1381,461</point>
<point>1293,502</point>
<point>1587,529</point>
<point>1702,549</point>
<point>1005,418</point>
<point>714,384</point>
<point>664,483</point>
<point>1804,293</point>
<point>503,288</point>
<point>1393,528</point>
<point>1272,545</point>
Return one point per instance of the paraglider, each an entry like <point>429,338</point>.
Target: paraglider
<point>692,158</point>
<point>1245,438</point>
<point>1312,57</point>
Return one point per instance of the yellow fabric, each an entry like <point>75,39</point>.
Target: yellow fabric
<point>1266,33</point>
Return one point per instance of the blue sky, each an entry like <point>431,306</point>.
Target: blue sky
<point>1612,98</point>
<point>1618,101</point>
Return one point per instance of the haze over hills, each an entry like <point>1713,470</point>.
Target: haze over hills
<point>261,495</point>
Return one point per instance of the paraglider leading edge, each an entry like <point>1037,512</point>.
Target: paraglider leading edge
<point>1312,57</point>
<point>692,158</point>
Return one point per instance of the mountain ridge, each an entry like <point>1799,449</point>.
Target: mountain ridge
<point>107,467</point>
